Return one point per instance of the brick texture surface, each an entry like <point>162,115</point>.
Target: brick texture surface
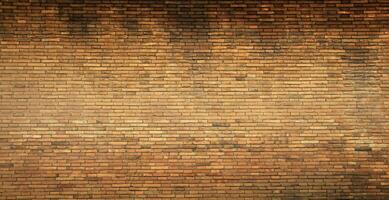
<point>187,99</point>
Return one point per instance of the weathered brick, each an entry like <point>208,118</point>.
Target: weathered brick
<point>193,99</point>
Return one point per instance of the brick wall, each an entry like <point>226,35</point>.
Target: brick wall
<point>194,99</point>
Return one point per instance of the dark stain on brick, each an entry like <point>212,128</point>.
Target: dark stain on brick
<point>203,164</point>
<point>220,124</point>
<point>241,78</point>
<point>16,147</point>
<point>79,24</point>
<point>6,165</point>
<point>7,16</point>
<point>135,157</point>
<point>146,146</point>
<point>255,149</point>
<point>63,185</point>
<point>292,194</point>
<point>225,142</point>
<point>356,55</point>
<point>80,21</point>
<point>188,26</point>
<point>20,86</point>
<point>337,144</point>
<point>37,151</point>
<point>187,21</point>
<point>359,179</point>
<point>82,196</point>
<point>60,143</point>
<point>3,31</point>
<point>363,148</point>
<point>93,178</point>
<point>131,24</point>
<point>361,70</point>
<point>179,188</point>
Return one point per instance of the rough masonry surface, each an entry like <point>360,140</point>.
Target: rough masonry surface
<point>193,99</point>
